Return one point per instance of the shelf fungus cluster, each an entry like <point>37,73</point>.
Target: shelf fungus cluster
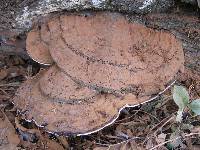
<point>99,64</point>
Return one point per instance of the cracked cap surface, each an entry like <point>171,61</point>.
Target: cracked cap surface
<point>106,52</point>
<point>67,117</point>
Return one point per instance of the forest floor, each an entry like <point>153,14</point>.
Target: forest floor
<point>150,126</point>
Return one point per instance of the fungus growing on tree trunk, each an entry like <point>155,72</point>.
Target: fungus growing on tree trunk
<point>102,63</point>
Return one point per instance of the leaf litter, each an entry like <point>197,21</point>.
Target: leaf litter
<point>151,126</point>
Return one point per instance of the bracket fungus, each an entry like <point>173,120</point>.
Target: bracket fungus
<point>102,63</point>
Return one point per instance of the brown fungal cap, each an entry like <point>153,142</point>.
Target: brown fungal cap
<point>102,64</point>
<point>37,47</point>
<point>61,117</point>
<point>105,51</point>
<point>55,84</point>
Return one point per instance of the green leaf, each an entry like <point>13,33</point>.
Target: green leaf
<point>195,106</point>
<point>180,96</point>
<point>169,146</point>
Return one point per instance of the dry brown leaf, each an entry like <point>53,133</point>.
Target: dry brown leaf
<point>8,137</point>
<point>3,73</point>
<point>44,142</point>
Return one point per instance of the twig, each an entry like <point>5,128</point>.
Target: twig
<point>10,84</point>
<point>167,121</point>
<point>179,137</point>
<point>120,121</point>
<point>5,93</point>
<point>171,118</point>
<point>150,115</point>
<point>123,142</point>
